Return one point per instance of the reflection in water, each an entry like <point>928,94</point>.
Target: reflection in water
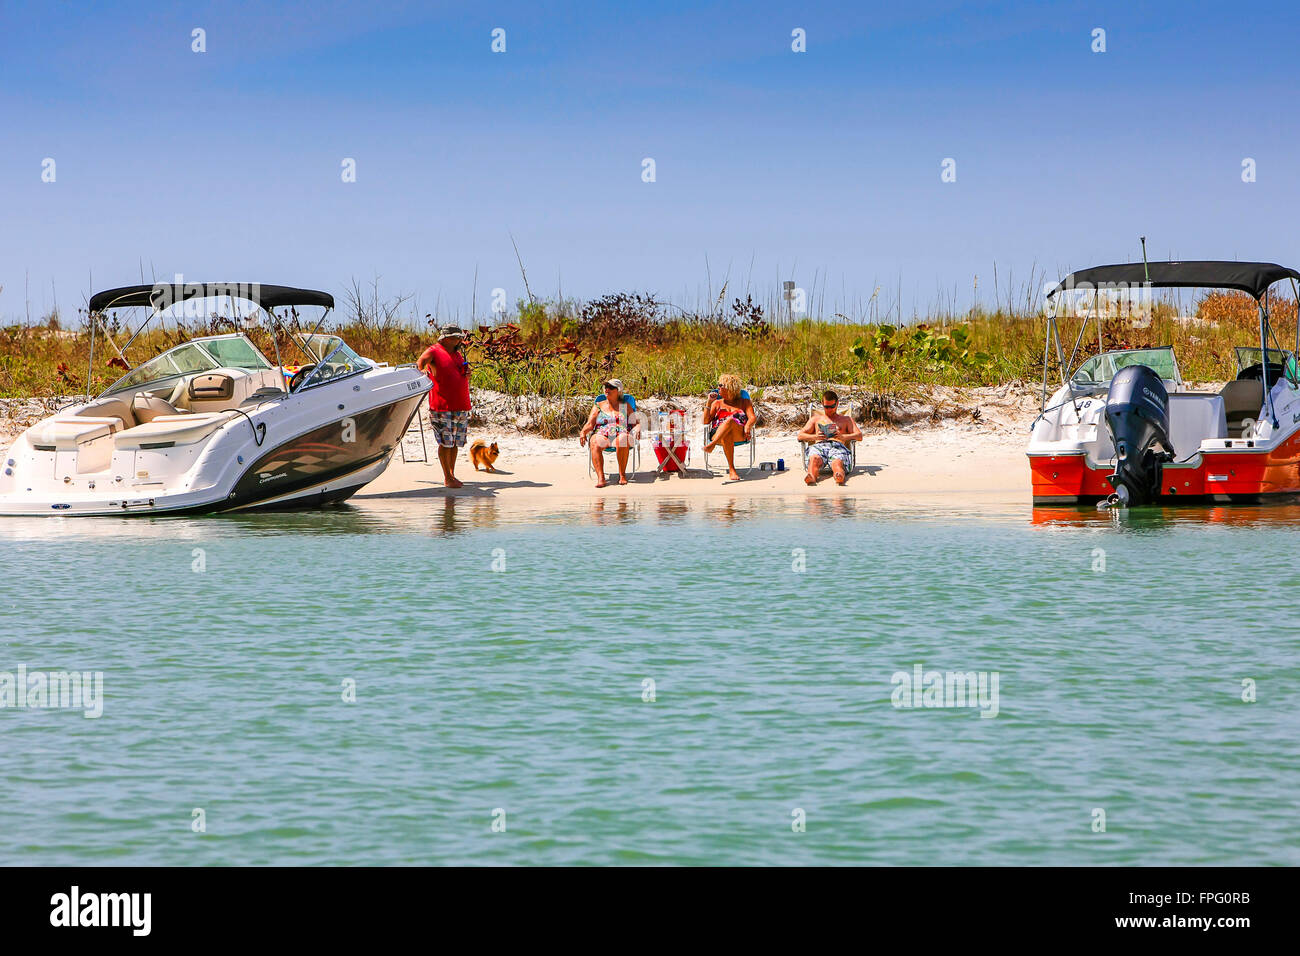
<point>822,506</point>
<point>622,511</point>
<point>672,510</point>
<point>1149,519</point>
<point>458,515</point>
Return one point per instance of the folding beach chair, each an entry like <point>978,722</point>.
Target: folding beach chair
<point>813,408</point>
<point>633,433</point>
<point>671,448</point>
<point>751,441</point>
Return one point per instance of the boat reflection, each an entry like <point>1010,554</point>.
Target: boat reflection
<point>1152,518</point>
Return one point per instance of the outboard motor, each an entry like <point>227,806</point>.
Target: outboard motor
<point>1137,413</point>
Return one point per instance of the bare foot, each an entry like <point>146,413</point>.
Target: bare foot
<point>710,446</point>
<point>810,479</point>
<point>840,479</point>
<point>622,479</point>
<point>454,483</point>
<point>733,474</point>
<point>601,482</point>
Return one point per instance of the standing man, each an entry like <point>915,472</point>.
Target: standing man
<point>449,404</point>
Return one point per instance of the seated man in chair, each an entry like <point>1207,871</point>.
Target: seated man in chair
<point>828,434</point>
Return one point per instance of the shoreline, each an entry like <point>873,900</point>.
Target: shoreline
<point>954,442</point>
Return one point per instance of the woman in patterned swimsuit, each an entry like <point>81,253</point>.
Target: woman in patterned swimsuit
<point>608,426</point>
<point>828,434</point>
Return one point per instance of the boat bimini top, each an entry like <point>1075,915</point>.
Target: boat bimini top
<point>327,355</point>
<point>1253,278</point>
<point>163,295</point>
<point>1250,277</point>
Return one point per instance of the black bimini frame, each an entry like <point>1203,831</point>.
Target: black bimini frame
<point>1253,278</point>
<point>160,296</point>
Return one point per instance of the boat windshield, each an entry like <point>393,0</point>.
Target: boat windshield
<point>336,359</point>
<point>1100,369</point>
<point>182,360</point>
<point>1248,356</point>
<point>201,355</point>
<point>235,352</point>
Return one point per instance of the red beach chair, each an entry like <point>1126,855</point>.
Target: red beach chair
<point>670,445</point>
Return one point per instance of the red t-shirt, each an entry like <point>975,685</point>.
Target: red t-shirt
<point>450,375</point>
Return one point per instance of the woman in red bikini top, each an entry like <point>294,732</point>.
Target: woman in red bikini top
<point>730,418</point>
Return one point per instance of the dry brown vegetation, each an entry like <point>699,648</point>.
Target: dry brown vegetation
<point>564,348</point>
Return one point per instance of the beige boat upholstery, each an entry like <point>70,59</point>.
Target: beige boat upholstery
<point>147,407</point>
<point>73,431</point>
<point>114,406</point>
<point>172,430</point>
<point>1242,400</point>
<point>196,406</point>
<point>218,391</point>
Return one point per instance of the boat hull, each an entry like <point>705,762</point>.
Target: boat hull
<point>1212,476</point>
<point>327,463</point>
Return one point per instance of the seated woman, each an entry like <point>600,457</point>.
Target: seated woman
<point>610,424</point>
<point>730,418</point>
<point>828,434</point>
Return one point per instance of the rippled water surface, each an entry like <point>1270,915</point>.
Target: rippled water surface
<point>226,645</point>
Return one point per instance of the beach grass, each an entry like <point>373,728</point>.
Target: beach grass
<point>554,348</point>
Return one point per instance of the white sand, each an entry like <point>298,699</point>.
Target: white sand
<point>921,460</point>
<point>954,455</point>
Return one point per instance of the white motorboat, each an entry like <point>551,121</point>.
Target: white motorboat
<point>213,425</point>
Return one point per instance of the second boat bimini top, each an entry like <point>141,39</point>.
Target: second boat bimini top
<point>1250,277</point>
<point>1253,278</point>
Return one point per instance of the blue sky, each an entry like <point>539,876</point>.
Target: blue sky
<point>770,164</point>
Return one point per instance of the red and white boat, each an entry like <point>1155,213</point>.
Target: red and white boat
<point>1124,429</point>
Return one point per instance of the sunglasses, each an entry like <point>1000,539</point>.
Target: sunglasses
<point>829,404</point>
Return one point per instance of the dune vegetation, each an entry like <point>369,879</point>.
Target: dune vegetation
<point>553,347</point>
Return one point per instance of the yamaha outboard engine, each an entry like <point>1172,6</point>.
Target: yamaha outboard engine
<point>1137,413</point>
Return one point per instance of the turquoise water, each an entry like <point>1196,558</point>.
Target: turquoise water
<point>522,689</point>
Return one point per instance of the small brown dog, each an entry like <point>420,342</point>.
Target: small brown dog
<point>481,453</point>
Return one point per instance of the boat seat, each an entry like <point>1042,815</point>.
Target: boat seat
<point>73,431</point>
<point>114,406</point>
<point>147,407</point>
<point>1193,419</point>
<point>168,430</point>
<point>1242,399</point>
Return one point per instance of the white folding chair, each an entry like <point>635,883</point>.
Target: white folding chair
<point>813,409</point>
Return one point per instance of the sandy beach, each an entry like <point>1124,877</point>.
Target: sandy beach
<point>925,459</point>
<point>967,441</point>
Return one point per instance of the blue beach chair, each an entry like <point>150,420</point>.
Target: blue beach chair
<point>633,431</point>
